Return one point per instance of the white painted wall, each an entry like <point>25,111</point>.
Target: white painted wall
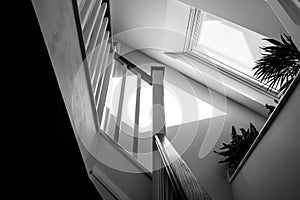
<point>292,28</point>
<point>272,170</point>
<point>137,14</point>
<point>154,23</point>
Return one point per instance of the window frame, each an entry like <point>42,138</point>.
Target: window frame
<point>192,35</point>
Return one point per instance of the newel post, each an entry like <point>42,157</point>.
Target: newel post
<point>159,127</point>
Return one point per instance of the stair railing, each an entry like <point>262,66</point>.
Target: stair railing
<point>94,30</point>
<point>141,75</point>
<point>101,63</point>
<point>172,179</point>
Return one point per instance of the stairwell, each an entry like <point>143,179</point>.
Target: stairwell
<point>94,80</point>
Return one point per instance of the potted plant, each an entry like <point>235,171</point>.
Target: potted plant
<point>238,147</point>
<point>279,64</point>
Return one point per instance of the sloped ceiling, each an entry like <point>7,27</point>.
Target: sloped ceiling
<point>147,23</point>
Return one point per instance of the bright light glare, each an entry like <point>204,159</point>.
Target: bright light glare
<point>229,43</point>
<point>175,100</point>
<point>173,112</point>
<point>186,64</point>
<point>226,41</point>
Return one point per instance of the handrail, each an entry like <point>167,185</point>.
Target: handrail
<point>132,67</point>
<point>183,180</point>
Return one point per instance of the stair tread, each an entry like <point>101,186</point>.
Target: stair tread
<point>90,24</point>
<point>84,14</point>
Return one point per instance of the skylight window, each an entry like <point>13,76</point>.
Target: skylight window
<point>231,48</point>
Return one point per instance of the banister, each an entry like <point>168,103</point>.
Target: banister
<point>132,67</point>
<point>137,117</point>
<point>182,179</point>
<point>120,106</point>
<point>160,184</point>
<point>85,63</point>
<point>90,24</point>
<point>178,174</point>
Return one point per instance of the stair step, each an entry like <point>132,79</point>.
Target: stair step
<point>98,73</point>
<point>97,34</point>
<point>86,11</point>
<point>105,70</point>
<point>96,53</point>
<point>97,28</point>
<point>90,24</point>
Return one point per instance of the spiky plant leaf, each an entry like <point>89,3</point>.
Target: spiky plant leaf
<point>279,64</point>
<point>235,150</point>
<point>244,132</point>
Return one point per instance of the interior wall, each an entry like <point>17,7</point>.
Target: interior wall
<point>137,14</point>
<point>255,15</point>
<point>272,170</point>
<point>57,23</point>
<point>189,138</point>
<point>290,25</point>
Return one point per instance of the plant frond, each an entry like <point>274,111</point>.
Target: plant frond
<point>279,63</point>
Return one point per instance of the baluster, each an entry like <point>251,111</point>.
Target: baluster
<point>137,116</point>
<point>157,74</point>
<point>120,107</point>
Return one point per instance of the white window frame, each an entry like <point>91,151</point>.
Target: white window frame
<point>192,35</point>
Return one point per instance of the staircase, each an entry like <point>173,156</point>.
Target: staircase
<point>95,35</point>
<point>171,177</point>
<point>90,69</point>
<point>111,81</point>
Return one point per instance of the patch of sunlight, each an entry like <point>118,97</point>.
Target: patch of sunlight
<point>176,100</point>
<point>115,95</point>
<point>229,43</point>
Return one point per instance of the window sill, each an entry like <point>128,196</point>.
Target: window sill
<point>235,89</point>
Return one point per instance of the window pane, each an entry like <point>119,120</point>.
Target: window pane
<point>230,44</point>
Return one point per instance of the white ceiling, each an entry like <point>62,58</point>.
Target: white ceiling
<point>150,23</point>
